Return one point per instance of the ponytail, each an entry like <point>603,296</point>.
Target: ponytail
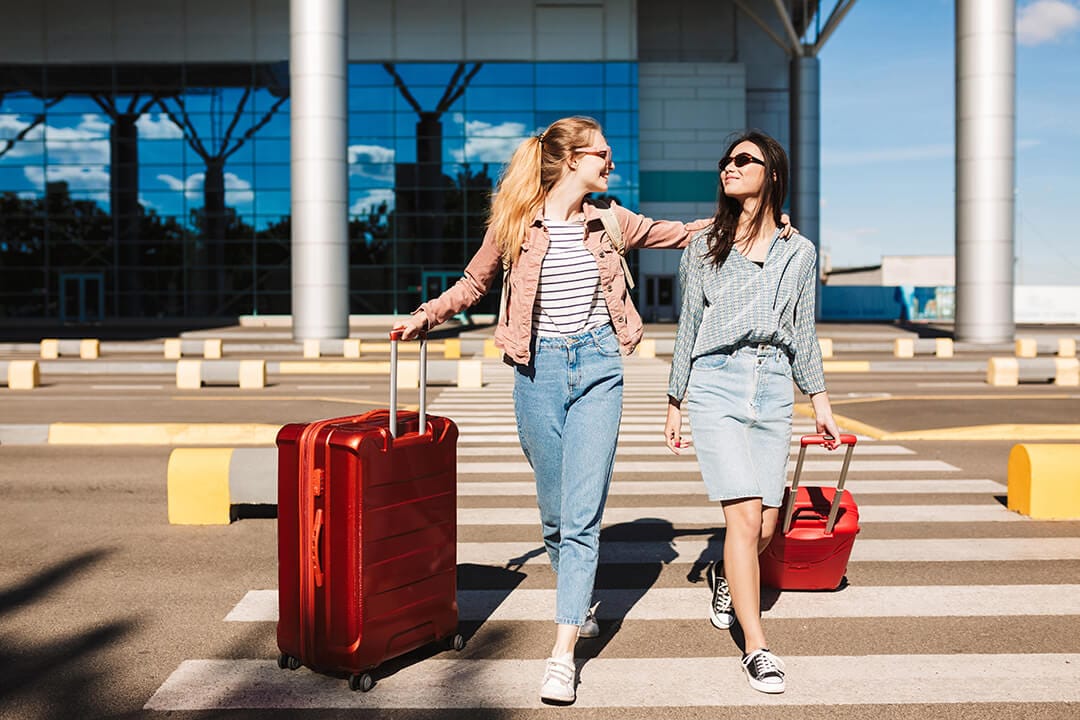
<point>536,165</point>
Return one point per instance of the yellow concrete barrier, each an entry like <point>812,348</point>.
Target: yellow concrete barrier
<point>23,374</point>
<point>903,348</point>
<point>1044,481</point>
<point>189,374</point>
<point>198,486</point>
<point>1006,371</point>
<point>351,348</point>
<point>943,347</point>
<point>646,348</point>
<point>490,351</point>
<point>1066,347</point>
<point>89,349</point>
<point>252,374</point>
<point>174,348</point>
<point>312,349</point>
<point>50,349</point>
<point>470,374</point>
<point>826,345</point>
<point>1027,347</point>
<point>212,349</point>
<point>452,348</point>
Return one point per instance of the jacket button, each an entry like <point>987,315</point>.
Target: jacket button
<point>608,288</point>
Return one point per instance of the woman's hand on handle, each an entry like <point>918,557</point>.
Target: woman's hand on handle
<point>823,418</point>
<point>411,327</point>
<point>673,428</point>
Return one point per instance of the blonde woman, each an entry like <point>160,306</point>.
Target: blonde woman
<point>567,321</point>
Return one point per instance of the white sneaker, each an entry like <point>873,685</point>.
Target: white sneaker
<point>721,614</point>
<point>590,628</point>
<point>765,671</point>
<point>558,684</point>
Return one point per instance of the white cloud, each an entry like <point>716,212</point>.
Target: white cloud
<point>370,199</point>
<point>490,143</point>
<point>370,154</point>
<point>237,190</point>
<point>1046,21</point>
<point>157,126</point>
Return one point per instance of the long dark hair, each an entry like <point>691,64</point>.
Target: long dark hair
<point>721,237</point>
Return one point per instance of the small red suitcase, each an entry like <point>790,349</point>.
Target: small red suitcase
<point>367,537</point>
<point>811,550</point>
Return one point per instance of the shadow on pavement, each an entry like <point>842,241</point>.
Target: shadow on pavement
<point>60,678</point>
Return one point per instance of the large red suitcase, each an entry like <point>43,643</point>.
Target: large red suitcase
<point>367,537</point>
<point>812,549</point>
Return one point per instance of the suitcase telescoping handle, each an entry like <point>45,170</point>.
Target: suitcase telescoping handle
<point>805,442</point>
<point>395,336</point>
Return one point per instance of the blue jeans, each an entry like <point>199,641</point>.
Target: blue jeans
<point>568,403</point>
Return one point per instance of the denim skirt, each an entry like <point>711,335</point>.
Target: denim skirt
<point>740,406</point>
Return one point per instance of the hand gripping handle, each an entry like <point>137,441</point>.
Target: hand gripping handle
<point>819,439</point>
<point>395,337</point>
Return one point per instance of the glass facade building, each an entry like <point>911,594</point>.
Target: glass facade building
<point>143,191</point>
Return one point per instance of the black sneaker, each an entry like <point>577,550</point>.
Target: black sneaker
<point>721,614</point>
<point>765,671</point>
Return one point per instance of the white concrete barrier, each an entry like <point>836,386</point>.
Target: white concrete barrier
<point>1006,371</point>
<point>910,347</point>
<point>87,348</point>
<point>195,374</point>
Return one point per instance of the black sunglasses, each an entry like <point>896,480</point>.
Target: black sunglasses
<point>741,160</point>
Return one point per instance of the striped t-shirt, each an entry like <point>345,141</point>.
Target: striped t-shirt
<point>568,298</point>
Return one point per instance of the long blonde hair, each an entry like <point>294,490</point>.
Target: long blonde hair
<point>536,165</point>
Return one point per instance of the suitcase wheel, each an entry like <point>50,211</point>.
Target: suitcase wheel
<point>456,642</point>
<point>288,661</point>
<point>363,682</point>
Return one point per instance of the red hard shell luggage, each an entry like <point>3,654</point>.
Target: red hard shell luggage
<point>367,537</point>
<point>811,550</point>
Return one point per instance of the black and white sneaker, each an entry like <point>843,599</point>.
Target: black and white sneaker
<point>765,671</point>
<point>721,615</point>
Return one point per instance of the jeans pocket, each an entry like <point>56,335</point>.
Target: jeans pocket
<point>608,346</point>
<point>713,361</point>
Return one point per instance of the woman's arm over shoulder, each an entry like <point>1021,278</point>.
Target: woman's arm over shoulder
<point>640,231</point>
<point>479,276</point>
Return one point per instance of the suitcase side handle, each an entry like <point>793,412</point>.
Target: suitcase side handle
<point>395,337</point>
<point>834,509</point>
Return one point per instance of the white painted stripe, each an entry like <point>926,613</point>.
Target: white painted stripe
<point>132,386</point>
<point>688,603</point>
<point>657,429</point>
<point>710,682</point>
<point>711,515</point>
<point>342,387</point>
<point>467,437</point>
<point>687,550</point>
<point>696,487</point>
<point>656,448</point>
<point>688,465</point>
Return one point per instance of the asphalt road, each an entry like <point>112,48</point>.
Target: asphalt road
<point>107,610</point>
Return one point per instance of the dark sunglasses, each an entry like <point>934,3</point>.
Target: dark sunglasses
<point>741,160</point>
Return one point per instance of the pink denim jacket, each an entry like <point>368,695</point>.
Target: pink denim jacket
<point>514,332</point>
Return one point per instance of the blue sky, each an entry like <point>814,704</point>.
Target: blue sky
<point>887,131</point>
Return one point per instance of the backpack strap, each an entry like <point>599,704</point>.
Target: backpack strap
<point>614,231</point>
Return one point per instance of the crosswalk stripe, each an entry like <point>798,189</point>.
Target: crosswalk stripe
<point>689,466</point>
<point>692,603</point>
<point>658,449</point>
<point>686,551</point>
<point>657,428</point>
<point>509,435</point>
<point>676,682</point>
<point>711,515</point>
<point>696,487</point>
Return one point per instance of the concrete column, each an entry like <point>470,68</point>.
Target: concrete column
<point>806,152</point>
<point>319,166</point>
<point>985,169</point>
